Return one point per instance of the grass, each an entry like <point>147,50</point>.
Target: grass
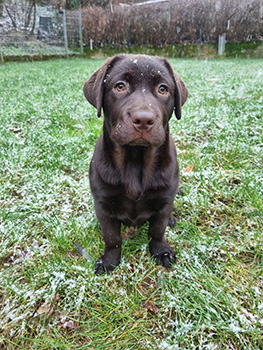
<point>50,297</point>
<point>31,50</point>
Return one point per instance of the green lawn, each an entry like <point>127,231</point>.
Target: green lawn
<point>50,297</point>
<point>31,50</point>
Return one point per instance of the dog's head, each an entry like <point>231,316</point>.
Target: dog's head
<point>138,95</point>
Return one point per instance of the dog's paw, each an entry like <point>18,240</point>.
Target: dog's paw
<point>165,259</point>
<point>162,253</point>
<point>102,267</point>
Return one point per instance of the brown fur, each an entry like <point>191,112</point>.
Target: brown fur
<point>134,174</point>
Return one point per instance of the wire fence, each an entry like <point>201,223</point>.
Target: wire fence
<point>53,33</point>
<point>39,31</point>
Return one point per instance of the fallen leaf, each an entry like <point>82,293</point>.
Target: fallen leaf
<point>73,254</point>
<point>150,306</point>
<point>47,309</point>
<point>17,194</point>
<point>69,325</point>
<point>129,233</point>
<point>189,168</point>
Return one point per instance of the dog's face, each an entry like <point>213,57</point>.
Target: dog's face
<point>138,101</point>
<point>138,95</point>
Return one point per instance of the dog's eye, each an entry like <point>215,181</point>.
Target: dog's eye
<point>162,89</point>
<point>120,87</point>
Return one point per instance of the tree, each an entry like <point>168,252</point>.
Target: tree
<point>22,13</point>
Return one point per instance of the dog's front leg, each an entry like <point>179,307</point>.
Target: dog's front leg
<point>159,248</point>
<point>111,257</point>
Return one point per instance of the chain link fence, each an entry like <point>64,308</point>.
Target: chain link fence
<point>49,33</point>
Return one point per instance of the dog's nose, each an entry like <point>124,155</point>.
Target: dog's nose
<point>143,120</point>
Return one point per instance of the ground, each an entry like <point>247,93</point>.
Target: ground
<point>50,297</point>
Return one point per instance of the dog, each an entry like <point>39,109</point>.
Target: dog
<point>134,174</point>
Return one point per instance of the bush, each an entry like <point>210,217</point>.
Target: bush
<point>172,22</point>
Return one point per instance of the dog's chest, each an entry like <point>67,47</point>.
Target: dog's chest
<point>134,212</point>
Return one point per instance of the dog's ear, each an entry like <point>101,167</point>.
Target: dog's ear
<point>94,87</point>
<point>180,91</point>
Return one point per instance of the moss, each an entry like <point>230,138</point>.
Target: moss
<point>207,50</point>
<point>251,49</point>
<point>197,51</point>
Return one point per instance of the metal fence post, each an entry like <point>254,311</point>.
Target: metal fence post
<point>221,44</point>
<point>1,54</point>
<point>65,32</point>
<point>80,33</point>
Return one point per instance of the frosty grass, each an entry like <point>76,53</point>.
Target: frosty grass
<point>211,298</point>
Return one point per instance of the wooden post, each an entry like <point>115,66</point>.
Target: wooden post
<point>65,32</point>
<point>80,33</point>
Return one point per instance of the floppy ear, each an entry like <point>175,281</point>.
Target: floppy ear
<point>180,91</point>
<point>94,87</point>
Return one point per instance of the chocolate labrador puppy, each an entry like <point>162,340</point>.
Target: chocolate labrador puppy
<point>134,173</point>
